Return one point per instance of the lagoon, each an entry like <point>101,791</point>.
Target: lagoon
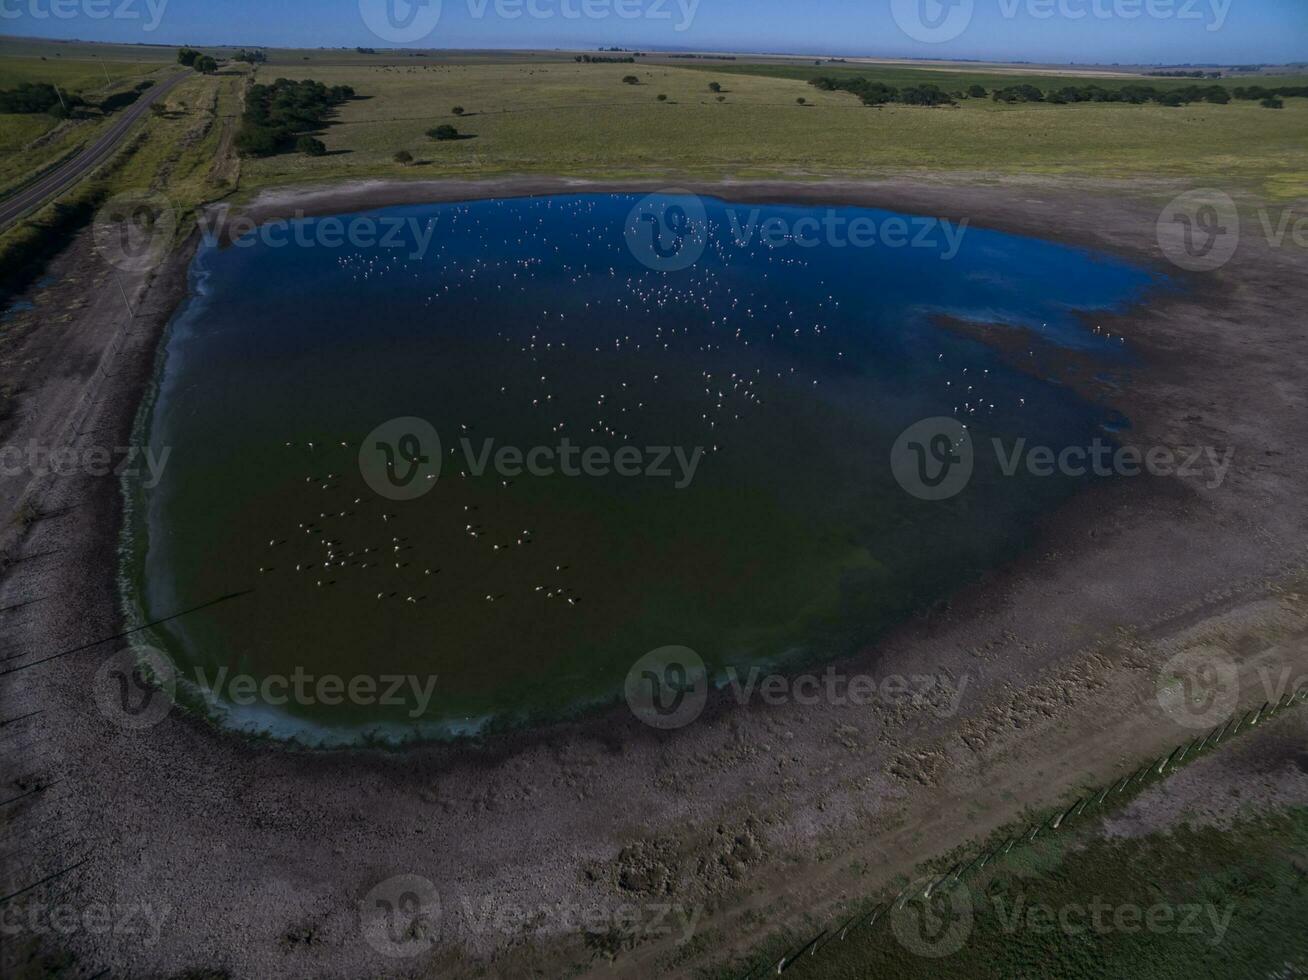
<point>529,440</point>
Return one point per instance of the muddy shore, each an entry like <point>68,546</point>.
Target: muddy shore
<point>752,817</point>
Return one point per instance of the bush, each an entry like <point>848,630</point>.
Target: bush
<point>715,87</point>
<point>187,56</point>
<point>722,98</point>
<point>976,92</point>
<point>662,98</point>
<point>801,101</point>
<point>310,147</point>
<point>630,80</point>
<point>1272,102</point>
<point>403,158</point>
<point>444,132</point>
<point>457,110</point>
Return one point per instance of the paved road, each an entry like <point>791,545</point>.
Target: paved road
<point>68,173</point>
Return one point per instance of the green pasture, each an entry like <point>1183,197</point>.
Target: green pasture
<point>572,119</point>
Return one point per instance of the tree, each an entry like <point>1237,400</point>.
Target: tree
<point>630,80</point>
<point>722,98</point>
<point>403,158</point>
<point>715,86</point>
<point>257,141</point>
<point>801,101</point>
<point>457,110</point>
<point>1272,102</point>
<point>205,65</point>
<point>976,91</point>
<point>34,97</point>
<point>443,132</point>
<point>187,56</point>
<point>310,147</point>
<point>662,97</point>
<point>927,94</point>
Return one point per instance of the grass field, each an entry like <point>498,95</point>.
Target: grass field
<point>542,113</point>
<point>28,143</point>
<point>1208,902</point>
<point>581,120</point>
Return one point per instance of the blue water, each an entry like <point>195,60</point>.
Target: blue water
<point>524,320</point>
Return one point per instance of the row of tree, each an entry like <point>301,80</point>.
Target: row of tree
<point>198,60</point>
<point>275,115</point>
<point>878,93</point>
<point>35,97</point>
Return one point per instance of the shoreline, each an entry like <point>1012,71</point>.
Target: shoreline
<point>1151,563</point>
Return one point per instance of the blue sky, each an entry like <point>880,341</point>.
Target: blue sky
<point>1105,31</point>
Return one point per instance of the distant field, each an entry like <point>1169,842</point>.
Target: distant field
<point>567,118</point>
<point>70,74</point>
<point>16,47</point>
<point>962,76</point>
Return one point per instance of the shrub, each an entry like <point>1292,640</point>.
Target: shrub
<point>1272,102</point>
<point>722,98</point>
<point>662,97</point>
<point>715,87</point>
<point>403,158</point>
<point>976,92</point>
<point>457,110</point>
<point>630,80</point>
<point>801,101</point>
<point>443,132</point>
<point>310,147</point>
